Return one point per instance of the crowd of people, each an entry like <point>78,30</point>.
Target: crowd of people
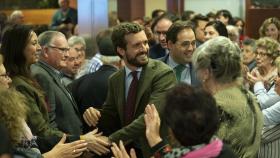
<point>174,87</point>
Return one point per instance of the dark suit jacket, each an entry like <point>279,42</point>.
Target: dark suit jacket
<point>91,90</point>
<point>155,80</point>
<point>64,113</point>
<point>194,80</point>
<point>157,51</point>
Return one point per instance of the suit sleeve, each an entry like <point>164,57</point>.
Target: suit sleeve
<point>44,82</point>
<point>160,85</point>
<point>110,120</point>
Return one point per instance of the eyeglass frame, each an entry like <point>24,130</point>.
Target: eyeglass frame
<point>64,50</point>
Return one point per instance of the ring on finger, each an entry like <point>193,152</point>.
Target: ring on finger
<point>74,150</point>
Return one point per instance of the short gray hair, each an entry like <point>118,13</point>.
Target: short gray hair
<point>76,40</point>
<point>221,56</point>
<point>46,37</point>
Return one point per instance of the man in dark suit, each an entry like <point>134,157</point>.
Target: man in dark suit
<point>143,81</point>
<point>181,43</point>
<point>91,89</point>
<point>63,111</point>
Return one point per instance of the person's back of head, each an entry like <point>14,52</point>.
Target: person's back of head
<point>157,12</point>
<point>187,15</point>
<point>219,27</point>
<point>225,16</point>
<point>221,57</point>
<point>106,47</point>
<point>15,41</point>
<point>192,115</point>
<point>16,17</point>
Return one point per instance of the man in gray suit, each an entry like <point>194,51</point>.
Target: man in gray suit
<point>181,43</point>
<point>63,111</point>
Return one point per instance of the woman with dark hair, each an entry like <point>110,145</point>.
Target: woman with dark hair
<point>224,16</point>
<point>215,29</point>
<point>17,60</point>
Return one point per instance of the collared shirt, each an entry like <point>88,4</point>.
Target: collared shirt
<point>94,64</point>
<point>186,74</point>
<point>59,74</point>
<point>129,77</point>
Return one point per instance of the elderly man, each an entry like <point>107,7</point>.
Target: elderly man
<point>74,61</point>
<point>63,111</point>
<point>181,42</point>
<point>141,82</point>
<point>16,17</point>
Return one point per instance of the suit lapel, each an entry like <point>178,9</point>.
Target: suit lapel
<point>56,79</point>
<point>120,89</point>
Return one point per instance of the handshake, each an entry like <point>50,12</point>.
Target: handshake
<point>96,142</point>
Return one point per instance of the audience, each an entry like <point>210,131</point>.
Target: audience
<point>218,68</point>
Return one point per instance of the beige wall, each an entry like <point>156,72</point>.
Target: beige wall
<point>151,5</point>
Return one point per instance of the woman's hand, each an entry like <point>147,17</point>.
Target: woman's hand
<point>67,150</point>
<point>120,152</point>
<point>152,121</point>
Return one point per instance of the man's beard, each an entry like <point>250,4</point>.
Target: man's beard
<point>134,62</point>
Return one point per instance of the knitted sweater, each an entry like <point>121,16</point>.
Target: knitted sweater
<point>241,121</point>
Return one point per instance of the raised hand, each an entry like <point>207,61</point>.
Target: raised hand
<point>96,142</point>
<point>152,121</point>
<point>91,116</point>
<point>120,152</point>
<point>67,150</point>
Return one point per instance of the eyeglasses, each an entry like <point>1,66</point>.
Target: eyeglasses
<point>261,54</point>
<point>79,49</point>
<point>63,50</point>
<point>187,44</point>
<point>6,75</point>
<point>160,33</point>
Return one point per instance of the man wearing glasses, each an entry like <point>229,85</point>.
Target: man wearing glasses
<point>181,43</point>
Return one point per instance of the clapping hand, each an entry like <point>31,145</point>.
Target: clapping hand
<point>152,121</point>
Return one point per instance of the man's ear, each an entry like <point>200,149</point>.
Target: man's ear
<point>44,52</point>
<point>120,51</point>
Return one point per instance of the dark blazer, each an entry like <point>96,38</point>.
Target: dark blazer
<point>91,89</point>
<point>157,51</point>
<point>155,80</point>
<point>194,80</point>
<point>64,113</point>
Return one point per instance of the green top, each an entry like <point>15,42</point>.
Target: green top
<point>37,116</point>
<point>241,122</point>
